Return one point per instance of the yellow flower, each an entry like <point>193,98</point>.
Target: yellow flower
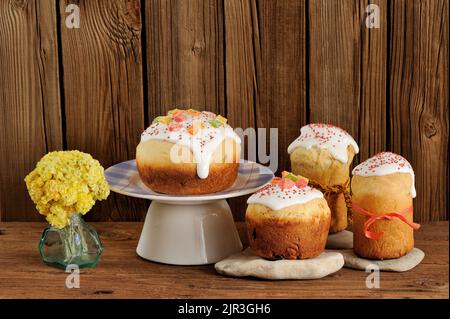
<point>64,183</point>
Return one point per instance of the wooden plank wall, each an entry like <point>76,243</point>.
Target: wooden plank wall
<point>419,98</point>
<point>102,88</point>
<point>262,63</point>
<point>30,109</point>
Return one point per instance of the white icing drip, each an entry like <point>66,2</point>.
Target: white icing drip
<point>329,137</point>
<point>203,144</point>
<point>275,198</point>
<point>386,163</point>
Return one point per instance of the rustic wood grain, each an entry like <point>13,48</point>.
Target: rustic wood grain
<point>30,117</point>
<point>346,70</point>
<point>262,63</point>
<point>103,89</point>
<point>419,98</point>
<point>122,274</point>
<point>266,73</point>
<point>334,63</point>
<point>281,76</point>
<point>184,55</point>
<point>373,86</point>
<point>242,49</point>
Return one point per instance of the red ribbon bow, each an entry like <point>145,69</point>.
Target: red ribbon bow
<point>389,216</point>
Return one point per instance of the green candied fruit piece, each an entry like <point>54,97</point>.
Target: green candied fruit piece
<point>156,120</point>
<point>215,123</point>
<point>292,177</point>
<point>162,119</point>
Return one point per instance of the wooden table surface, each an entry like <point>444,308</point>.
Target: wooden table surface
<point>122,274</point>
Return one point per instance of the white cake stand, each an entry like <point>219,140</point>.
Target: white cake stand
<point>188,229</point>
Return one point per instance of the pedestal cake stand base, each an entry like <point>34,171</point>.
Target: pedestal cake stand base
<point>188,233</point>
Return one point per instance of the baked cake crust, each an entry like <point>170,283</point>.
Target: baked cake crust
<point>160,174</point>
<point>380,195</point>
<point>321,168</point>
<point>295,232</point>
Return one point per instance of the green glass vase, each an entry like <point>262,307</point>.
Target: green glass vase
<point>76,244</point>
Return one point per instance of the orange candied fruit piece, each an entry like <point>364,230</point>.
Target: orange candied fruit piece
<point>195,127</point>
<point>193,112</point>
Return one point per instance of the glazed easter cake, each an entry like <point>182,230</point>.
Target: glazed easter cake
<point>287,219</point>
<point>188,152</point>
<point>382,203</point>
<point>323,153</point>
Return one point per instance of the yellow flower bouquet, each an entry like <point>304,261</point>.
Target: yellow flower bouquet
<point>65,185</point>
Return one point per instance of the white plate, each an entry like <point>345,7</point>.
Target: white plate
<point>123,178</point>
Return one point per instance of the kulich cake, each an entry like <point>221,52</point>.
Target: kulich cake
<point>188,152</point>
<point>287,219</point>
<point>323,153</point>
<point>382,204</point>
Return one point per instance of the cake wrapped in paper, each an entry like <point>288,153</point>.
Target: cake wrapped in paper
<point>382,203</point>
<point>323,153</point>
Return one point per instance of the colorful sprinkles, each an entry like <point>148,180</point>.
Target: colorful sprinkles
<point>379,162</point>
<point>278,191</point>
<point>201,131</point>
<point>186,121</point>
<point>323,133</point>
<point>327,136</point>
<point>284,191</point>
<point>190,121</point>
<point>386,163</point>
